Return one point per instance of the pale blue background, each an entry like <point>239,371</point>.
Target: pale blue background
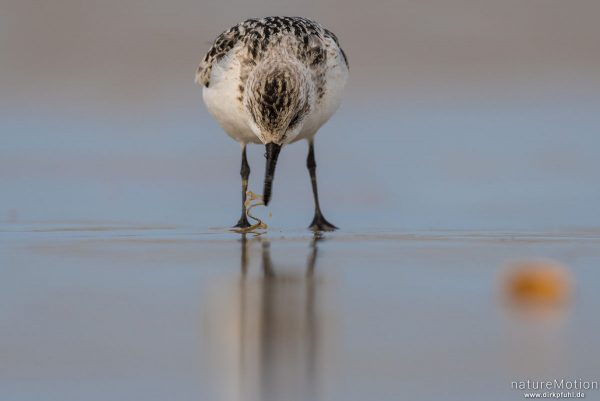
<point>455,116</point>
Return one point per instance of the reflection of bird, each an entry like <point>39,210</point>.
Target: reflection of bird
<point>270,340</point>
<point>274,81</point>
<point>289,331</point>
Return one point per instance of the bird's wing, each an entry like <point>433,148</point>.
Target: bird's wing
<point>332,35</point>
<point>257,34</point>
<point>222,45</point>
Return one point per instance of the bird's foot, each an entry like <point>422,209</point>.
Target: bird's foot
<point>320,223</point>
<point>242,222</point>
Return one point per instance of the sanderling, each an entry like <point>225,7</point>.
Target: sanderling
<point>274,81</point>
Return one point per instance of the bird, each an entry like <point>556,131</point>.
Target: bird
<point>274,81</point>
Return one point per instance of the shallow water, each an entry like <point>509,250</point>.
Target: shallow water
<point>111,312</point>
<point>114,288</point>
<point>467,140</point>
<point>393,166</point>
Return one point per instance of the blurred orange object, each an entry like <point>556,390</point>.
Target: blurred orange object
<point>537,284</point>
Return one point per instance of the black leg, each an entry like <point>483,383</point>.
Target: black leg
<point>245,173</point>
<point>319,222</point>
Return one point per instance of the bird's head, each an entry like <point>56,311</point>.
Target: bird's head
<point>278,96</point>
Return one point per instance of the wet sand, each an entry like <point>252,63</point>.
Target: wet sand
<point>111,312</point>
<point>481,118</point>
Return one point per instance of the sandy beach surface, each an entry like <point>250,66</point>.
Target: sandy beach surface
<point>121,282</point>
<point>113,312</point>
<point>462,168</point>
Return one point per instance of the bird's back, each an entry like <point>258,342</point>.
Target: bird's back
<point>225,69</point>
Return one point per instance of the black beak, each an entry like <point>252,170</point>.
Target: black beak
<point>272,154</point>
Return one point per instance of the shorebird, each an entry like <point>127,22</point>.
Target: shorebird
<point>274,81</point>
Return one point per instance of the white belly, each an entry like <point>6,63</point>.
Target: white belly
<point>336,77</point>
<point>221,99</point>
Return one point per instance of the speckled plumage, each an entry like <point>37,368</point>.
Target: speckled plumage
<point>258,35</point>
<point>275,79</point>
